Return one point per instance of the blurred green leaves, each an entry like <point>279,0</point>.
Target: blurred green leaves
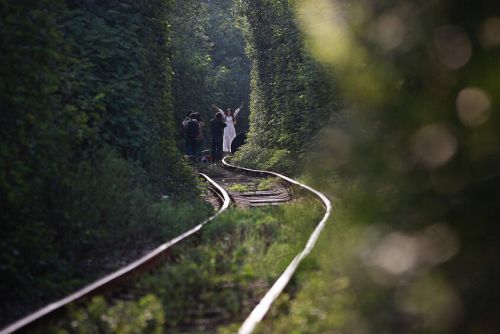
<point>413,162</point>
<point>144,316</point>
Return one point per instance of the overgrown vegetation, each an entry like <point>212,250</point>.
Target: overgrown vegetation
<point>413,166</point>
<point>92,93</point>
<point>290,97</point>
<point>238,187</point>
<point>87,143</point>
<point>239,255</point>
<point>269,183</point>
<point>124,317</point>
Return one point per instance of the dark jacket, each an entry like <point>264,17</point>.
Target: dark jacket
<point>217,126</point>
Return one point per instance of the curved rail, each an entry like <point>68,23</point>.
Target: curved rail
<point>273,293</point>
<point>146,262</point>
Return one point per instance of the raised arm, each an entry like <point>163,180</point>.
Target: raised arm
<point>217,108</point>
<point>237,110</point>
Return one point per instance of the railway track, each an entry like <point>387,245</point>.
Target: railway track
<point>245,188</point>
<point>259,311</point>
<point>251,190</point>
<point>107,283</point>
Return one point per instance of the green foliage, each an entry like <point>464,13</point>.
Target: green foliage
<point>239,255</point>
<point>118,63</point>
<point>143,316</point>
<point>289,95</point>
<point>92,231</point>
<point>269,183</point>
<point>87,233</point>
<point>414,173</point>
<point>324,298</point>
<point>90,95</point>
<point>230,78</point>
<point>190,60</point>
<point>87,146</point>
<point>238,187</point>
<point>208,61</point>
<point>254,156</point>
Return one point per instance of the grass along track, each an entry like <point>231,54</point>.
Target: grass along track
<point>107,283</point>
<point>213,281</point>
<point>250,190</point>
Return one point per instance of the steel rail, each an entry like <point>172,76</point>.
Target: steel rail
<point>259,312</point>
<point>146,262</point>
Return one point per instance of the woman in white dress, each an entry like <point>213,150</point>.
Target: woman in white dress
<point>229,130</point>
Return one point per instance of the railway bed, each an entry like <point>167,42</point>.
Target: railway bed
<point>254,190</point>
<point>246,188</point>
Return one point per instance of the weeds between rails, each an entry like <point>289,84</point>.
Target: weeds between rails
<point>110,281</point>
<point>231,284</point>
<point>213,282</point>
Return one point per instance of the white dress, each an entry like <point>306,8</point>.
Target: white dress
<point>229,131</point>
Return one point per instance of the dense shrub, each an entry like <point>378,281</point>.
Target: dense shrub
<point>87,146</point>
<point>217,277</point>
<point>290,98</point>
<point>143,316</point>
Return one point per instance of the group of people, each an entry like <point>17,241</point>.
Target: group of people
<point>222,130</point>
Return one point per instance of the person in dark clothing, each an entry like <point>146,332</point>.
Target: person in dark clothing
<point>199,138</point>
<point>192,134</point>
<point>217,126</point>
